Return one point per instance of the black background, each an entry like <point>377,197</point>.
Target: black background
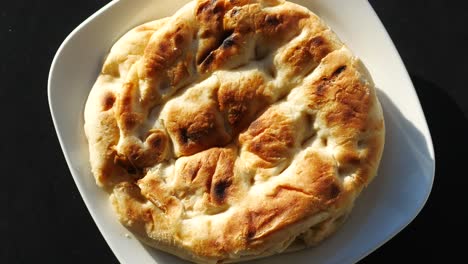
<point>46,220</point>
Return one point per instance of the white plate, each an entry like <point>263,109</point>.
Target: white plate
<point>384,208</point>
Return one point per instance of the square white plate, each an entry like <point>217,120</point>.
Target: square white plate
<point>390,203</point>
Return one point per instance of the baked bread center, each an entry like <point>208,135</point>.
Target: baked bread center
<point>233,130</point>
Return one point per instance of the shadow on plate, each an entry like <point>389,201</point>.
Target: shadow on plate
<point>437,223</point>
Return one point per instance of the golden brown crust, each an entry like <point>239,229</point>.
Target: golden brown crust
<point>233,130</point>
<point>270,137</point>
<point>198,129</point>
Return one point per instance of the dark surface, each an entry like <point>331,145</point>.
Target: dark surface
<point>46,219</point>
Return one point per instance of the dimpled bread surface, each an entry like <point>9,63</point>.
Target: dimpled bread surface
<point>233,130</point>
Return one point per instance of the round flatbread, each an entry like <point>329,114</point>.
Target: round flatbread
<point>233,130</point>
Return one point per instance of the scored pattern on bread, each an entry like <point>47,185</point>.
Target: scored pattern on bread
<point>233,130</point>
